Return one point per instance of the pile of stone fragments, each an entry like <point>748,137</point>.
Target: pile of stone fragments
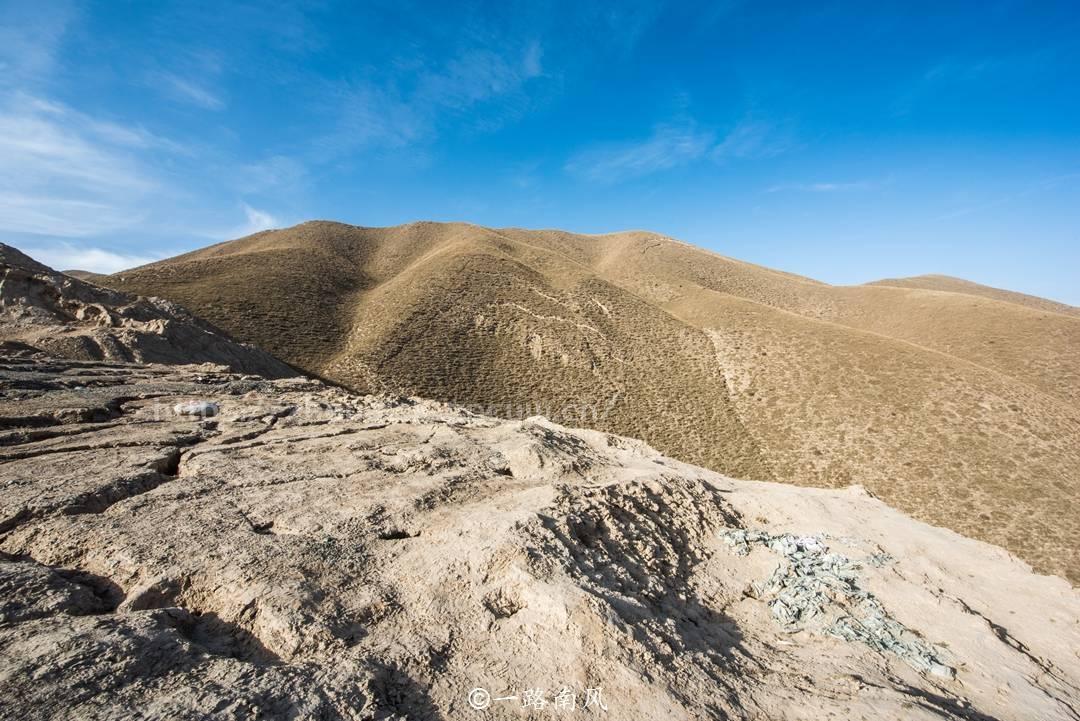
<point>816,590</point>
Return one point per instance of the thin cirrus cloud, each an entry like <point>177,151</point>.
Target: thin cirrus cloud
<point>820,187</point>
<point>673,145</point>
<point>478,74</point>
<point>66,174</point>
<point>185,90</point>
<point>276,172</point>
<point>255,220</point>
<point>408,104</point>
<point>29,38</point>
<point>752,138</point>
<point>668,146</point>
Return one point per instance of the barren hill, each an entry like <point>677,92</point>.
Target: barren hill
<point>961,409</point>
<point>86,275</point>
<point>958,285</point>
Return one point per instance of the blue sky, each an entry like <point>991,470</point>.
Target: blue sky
<point>847,141</point>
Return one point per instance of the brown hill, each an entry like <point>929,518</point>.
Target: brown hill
<point>86,275</point>
<point>959,408</point>
<point>949,284</point>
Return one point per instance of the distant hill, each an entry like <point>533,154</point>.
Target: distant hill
<point>949,284</point>
<point>86,275</point>
<point>962,408</point>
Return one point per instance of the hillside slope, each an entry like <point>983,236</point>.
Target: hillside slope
<point>960,409</point>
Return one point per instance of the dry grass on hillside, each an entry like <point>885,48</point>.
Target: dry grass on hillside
<point>949,284</point>
<point>959,406</point>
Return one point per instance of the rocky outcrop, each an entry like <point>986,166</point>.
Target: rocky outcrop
<point>301,552</point>
<point>68,317</point>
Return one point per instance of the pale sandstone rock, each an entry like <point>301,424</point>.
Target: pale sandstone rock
<point>307,553</point>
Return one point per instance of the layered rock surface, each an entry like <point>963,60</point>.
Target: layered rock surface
<point>67,317</point>
<point>308,553</point>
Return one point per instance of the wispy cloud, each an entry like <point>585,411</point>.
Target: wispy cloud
<point>676,144</point>
<point>1042,186</point>
<point>186,90</point>
<point>277,172</point>
<point>821,187</point>
<point>65,174</point>
<point>70,256</point>
<point>753,138</point>
<point>29,38</point>
<point>60,216</point>
<point>625,22</point>
<point>481,71</point>
<point>372,116</point>
<point>479,74</point>
<point>669,146</point>
<point>950,73</point>
<point>410,104</point>
<point>257,220</point>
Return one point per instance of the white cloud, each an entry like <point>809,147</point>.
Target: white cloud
<point>69,256</point>
<point>821,187</point>
<point>622,24</point>
<point>257,220</point>
<point>65,174</point>
<point>186,90</point>
<point>30,35</point>
<point>370,115</point>
<point>752,138</point>
<point>60,216</point>
<point>679,143</point>
<point>37,148</point>
<point>479,74</point>
<point>411,101</point>
<point>668,146</point>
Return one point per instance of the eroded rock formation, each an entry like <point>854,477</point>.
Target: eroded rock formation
<point>70,318</point>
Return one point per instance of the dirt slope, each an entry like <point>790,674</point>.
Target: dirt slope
<point>959,408</point>
<point>308,553</point>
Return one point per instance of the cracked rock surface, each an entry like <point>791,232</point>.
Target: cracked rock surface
<point>305,553</point>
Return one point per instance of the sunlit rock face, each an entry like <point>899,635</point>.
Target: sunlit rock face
<point>304,552</point>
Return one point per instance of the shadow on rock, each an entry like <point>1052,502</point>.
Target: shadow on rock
<point>635,547</point>
<point>396,694</point>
